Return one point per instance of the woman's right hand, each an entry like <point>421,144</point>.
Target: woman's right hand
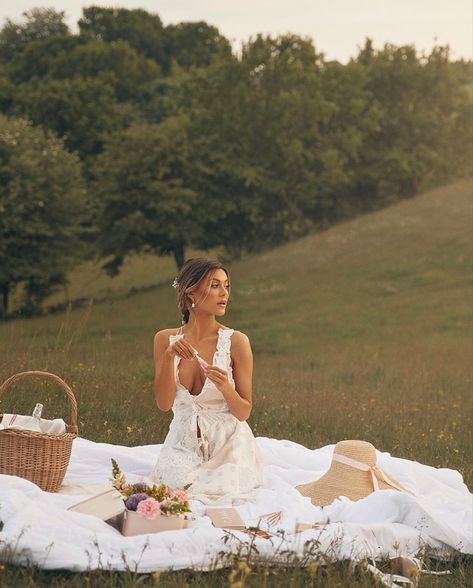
<point>181,348</point>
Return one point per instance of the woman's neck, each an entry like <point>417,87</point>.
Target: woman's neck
<point>200,327</point>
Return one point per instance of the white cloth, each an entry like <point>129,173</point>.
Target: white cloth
<point>30,423</point>
<point>207,446</point>
<point>386,523</point>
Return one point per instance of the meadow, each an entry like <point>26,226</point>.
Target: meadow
<point>360,331</point>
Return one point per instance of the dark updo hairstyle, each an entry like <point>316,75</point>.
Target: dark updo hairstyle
<point>188,279</point>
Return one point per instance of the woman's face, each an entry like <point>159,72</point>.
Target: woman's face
<point>212,293</point>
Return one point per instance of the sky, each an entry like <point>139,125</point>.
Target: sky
<point>337,27</point>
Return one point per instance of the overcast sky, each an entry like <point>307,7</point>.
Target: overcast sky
<point>338,27</point>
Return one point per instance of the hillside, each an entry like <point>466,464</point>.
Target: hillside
<point>403,269</point>
<point>398,271</point>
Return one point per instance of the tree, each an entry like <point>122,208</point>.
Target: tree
<point>263,122</point>
<point>144,193</point>
<point>141,30</point>
<point>82,110</point>
<point>217,101</point>
<point>196,44</point>
<point>288,108</point>
<point>80,88</point>
<point>423,129</point>
<point>41,23</point>
<point>42,205</point>
<point>187,44</point>
<point>7,90</point>
<point>39,57</point>
<point>116,63</point>
<point>162,97</point>
<point>352,117</point>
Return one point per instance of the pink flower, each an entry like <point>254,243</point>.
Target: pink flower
<point>181,495</point>
<point>149,508</point>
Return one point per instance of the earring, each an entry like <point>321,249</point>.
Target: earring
<point>193,305</point>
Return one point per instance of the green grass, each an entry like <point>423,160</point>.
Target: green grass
<point>361,331</point>
<point>237,575</point>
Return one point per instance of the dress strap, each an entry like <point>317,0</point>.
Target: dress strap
<point>224,341</point>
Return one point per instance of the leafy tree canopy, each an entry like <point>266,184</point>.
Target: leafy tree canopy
<point>424,134</point>
<point>42,206</point>
<point>140,29</point>
<point>121,66</point>
<point>82,110</point>
<point>196,44</point>
<point>145,192</point>
<point>41,23</point>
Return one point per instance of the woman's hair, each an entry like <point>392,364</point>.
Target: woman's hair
<point>189,277</point>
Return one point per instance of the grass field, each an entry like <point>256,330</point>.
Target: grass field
<point>361,331</point>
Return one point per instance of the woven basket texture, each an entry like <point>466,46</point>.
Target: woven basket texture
<point>41,458</point>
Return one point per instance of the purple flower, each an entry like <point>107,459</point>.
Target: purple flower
<point>133,500</point>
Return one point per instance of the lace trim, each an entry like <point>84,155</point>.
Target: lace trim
<point>224,342</point>
<point>222,356</point>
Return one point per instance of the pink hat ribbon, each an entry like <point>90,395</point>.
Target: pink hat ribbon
<point>374,470</point>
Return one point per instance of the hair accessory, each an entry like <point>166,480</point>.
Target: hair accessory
<point>175,284</point>
<point>353,473</point>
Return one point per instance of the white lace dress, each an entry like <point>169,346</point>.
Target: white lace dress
<point>224,461</point>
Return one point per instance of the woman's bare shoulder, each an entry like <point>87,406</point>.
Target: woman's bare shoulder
<point>165,334</point>
<point>240,340</point>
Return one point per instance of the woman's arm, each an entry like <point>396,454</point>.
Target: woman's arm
<point>164,354</point>
<point>164,381</point>
<point>239,399</point>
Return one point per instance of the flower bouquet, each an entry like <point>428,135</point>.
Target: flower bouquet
<point>149,509</point>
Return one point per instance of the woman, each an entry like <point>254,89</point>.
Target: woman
<point>203,371</point>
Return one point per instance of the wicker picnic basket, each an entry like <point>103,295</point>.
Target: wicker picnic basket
<point>41,458</point>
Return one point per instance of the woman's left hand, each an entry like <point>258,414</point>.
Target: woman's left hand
<point>219,377</point>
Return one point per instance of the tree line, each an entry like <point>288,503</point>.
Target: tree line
<point>130,136</point>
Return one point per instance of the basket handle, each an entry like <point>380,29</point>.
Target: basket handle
<point>72,427</point>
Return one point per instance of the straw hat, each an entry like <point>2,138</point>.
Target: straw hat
<point>353,473</point>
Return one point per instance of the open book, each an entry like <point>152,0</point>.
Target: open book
<point>226,518</point>
<point>104,506</point>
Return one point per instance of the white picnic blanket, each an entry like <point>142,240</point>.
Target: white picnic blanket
<point>38,529</point>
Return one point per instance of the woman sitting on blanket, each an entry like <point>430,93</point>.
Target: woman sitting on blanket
<point>203,372</point>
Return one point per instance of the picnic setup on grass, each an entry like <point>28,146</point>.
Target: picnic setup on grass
<point>70,503</point>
